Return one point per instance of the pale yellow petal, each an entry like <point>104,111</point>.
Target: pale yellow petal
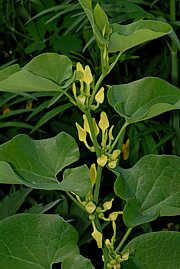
<point>99,97</point>
<point>81,133</point>
<point>90,207</point>
<point>103,123</point>
<point>102,160</point>
<point>96,128</point>
<point>93,174</point>
<point>97,236</point>
<point>88,78</point>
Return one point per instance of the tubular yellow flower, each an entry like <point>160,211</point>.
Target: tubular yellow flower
<point>112,164</point>
<point>80,68</point>
<point>110,134</point>
<point>88,78</point>
<point>82,99</point>
<point>107,205</point>
<point>81,132</point>
<point>86,124</point>
<point>99,97</point>
<point>115,154</point>
<point>90,207</point>
<point>97,235</point>
<point>113,216</point>
<point>74,90</point>
<point>125,150</point>
<point>93,174</point>
<point>103,123</point>
<point>102,160</point>
<point>96,128</point>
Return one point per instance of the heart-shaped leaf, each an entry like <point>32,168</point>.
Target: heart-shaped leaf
<point>45,72</point>
<point>151,188</point>
<point>154,250</point>
<point>128,36</point>
<point>36,163</point>
<point>36,241</point>
<point>144,98</point>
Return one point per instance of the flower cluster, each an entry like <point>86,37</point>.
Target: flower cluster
<point>83,93</point>
<point>106,139</point>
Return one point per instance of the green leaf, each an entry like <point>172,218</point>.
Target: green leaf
<point>77,262</point>
<point>34,241</point>
<point>40,208</point>
<point>154,250</point>
<point>46,72</point>
<point>128,36</point>
<point>87,6</point>
<point>101,20</point>
<point>6,72</point>
<point>12,202</point>
<point>151,189</point>
<point>36,163</point>
<point>144,98</point>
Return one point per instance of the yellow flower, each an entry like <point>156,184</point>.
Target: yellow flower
<point>90,207</point>
<point>115,154</point>
<point>81,133</point>
<point>113,216</point>
<point>88,75</point>
<point>125,150</point>
<point>99,97</point>
<point>93,174</point>
<point>103,123</point>
<point>110,134</point>
<point>112,164</point>
<point>97,235</point>
<point>96,128</point>
<point>102,160</point>
<point>107,205</point>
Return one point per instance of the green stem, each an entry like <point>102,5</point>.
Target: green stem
<point>75,201</point>
<point>123,240</point>
<point>93,135</point>
<point>104,248</point>
<point>98,184</point>
<point>96,88</point>
<point>101,78</point>
<point>114,63</point>
<point>118,136</point>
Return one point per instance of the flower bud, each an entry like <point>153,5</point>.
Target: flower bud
<point>108,205</point>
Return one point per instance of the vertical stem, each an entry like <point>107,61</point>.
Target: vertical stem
<point>94,139</point>
<point>123,240</point>
<point>98,184</point>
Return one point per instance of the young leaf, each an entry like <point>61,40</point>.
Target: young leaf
<point>128,36</point>
<point>46,72</point>
<point>6,72</point>
<point>154,250</point>
<point>33,241</point>
<point>144,98</point>
<point>87,6</point>
<point>12,202</point>
<point>151,189</point>
<point>36,163</point>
